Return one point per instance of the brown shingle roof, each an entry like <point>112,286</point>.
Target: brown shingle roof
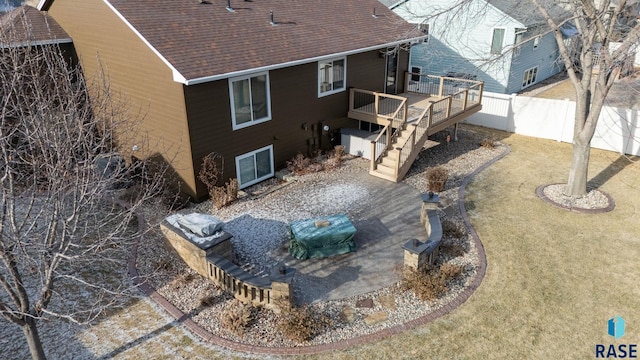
<point>205,39</point>
<point>26,25</point>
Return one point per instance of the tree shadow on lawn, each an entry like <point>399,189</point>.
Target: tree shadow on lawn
<point>611,170</point>
<point>175,323</point>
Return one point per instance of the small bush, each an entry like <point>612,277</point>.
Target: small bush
<point>453,229</point>
<point>298,164</point>
<point>235,317</point>
<point>449,272</point>
<point>188,277</point>
<point>453,250</point>
<point>208,301</point>
<point>210,173</point>
<point>335,160</point>
<point>488,143</point>
<point>430,282</point>
<point>302,323</point>
<point>437,178</point>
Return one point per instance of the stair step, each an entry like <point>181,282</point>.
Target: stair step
<point>389,161</point>
<point>387,170</point>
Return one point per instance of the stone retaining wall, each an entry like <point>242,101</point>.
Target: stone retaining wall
<point>214,262</point>
<point>417,253</point>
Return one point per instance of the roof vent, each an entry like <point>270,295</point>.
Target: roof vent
<point>271,21</point>
<point>229,8</point>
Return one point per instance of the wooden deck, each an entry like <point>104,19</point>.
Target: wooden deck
<point>432,105</point>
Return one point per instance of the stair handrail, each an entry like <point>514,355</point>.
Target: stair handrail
<point>423,115</point>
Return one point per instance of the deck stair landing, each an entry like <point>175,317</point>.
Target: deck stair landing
<point>428,105</point>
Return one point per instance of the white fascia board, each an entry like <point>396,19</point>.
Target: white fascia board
<point>41,4</point>
<point>205,79</point>
<point>177,77</point>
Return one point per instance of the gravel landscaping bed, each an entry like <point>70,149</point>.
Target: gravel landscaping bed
<point>259,223</point>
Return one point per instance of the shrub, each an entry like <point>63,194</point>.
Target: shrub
<point>235,316</point>
<point>208,301</point>
<point>488,143</point>
<point>335,161</point>
<point>298,164</point>
<point>302,323</point>
<point>430,282</point>
<point>210,173</point>
<point>453,229</point>
<point>453,250</point>
<point>437,178</point>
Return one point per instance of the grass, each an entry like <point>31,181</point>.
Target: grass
<point>554,277</point>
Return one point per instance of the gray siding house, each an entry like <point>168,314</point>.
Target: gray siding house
<point>501,42</point>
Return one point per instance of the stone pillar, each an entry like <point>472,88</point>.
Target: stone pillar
<point>417,253</point>
<point>281,290</point>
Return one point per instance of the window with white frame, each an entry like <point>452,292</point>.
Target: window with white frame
<point>250,100</point>
<point>519,35</point>
<point>332,76</point>
<point>529,77</point>
<point>497,40</point>
<point>254,166</point>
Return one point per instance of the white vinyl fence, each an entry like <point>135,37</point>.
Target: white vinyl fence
<point>618,129</point>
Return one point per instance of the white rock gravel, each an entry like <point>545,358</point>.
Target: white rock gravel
<point>115,336</point>
<point>594,199</point>
<point>259,224</point>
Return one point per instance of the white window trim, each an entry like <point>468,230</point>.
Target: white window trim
<point>236,126</point>
<point>334,91</point>
<point>251,153</point>
<point>534,80</point>
<point>536,43</point>
<point>504,38</point>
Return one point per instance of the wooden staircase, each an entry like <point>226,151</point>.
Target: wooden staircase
<point>426,107</point>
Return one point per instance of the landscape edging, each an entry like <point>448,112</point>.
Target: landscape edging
<point>338,345</point>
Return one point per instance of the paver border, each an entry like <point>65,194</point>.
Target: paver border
<point>543,197</point>
<point>338,345</point>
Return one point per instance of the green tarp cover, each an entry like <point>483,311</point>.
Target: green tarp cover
<point>309,241</point>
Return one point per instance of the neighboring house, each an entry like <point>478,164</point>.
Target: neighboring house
<point>255,81</point>
<point>504,43</point>
<point>26,26</point>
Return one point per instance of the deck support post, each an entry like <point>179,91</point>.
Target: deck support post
<point>373,156</point>
<point>397,169</point>
<point>464,101</point>
<point>441,90</point>
<point>413,136</point>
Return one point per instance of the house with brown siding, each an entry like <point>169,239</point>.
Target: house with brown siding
<point>255,81</point>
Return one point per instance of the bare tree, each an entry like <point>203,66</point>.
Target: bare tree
<point>598,25</point>
<point>60,171</point>
<point>607,38</point>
